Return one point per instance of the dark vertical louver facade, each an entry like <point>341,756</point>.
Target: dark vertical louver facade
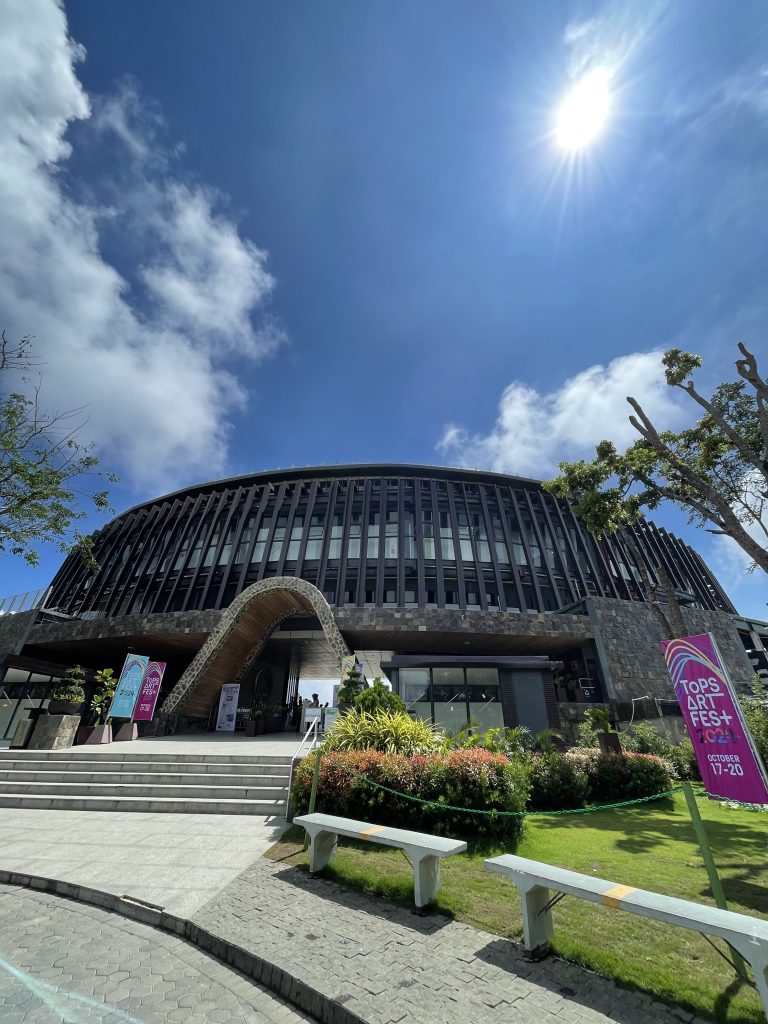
<point>370,536</point>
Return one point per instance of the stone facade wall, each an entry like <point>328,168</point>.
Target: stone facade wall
<point>170,623</point>
<point>628,635</point>
<point>444,620</point>
<point>13,632</point>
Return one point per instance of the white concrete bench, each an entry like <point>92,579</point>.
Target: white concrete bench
<point>423,851</point>
<point>748,935</point>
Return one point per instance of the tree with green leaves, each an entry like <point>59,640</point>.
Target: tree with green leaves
<point>352,685</point>
<point>378,695</point>
<point>41,459</point>
<point>716,470</point>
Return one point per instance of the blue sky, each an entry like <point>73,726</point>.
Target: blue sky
<point>253,235</point>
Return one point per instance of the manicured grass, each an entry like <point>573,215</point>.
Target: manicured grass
<point>651,846</point>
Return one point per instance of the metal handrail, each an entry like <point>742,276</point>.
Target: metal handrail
<point>313,728</point>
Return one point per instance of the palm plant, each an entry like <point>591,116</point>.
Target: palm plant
<point>390,732</point>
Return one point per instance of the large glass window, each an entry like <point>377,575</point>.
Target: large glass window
<point>464,540</point>
<point>278,538</point>
<point>294,539</point>
<point>353,545</point>
<point>447,549</point>
<point>533,544</point>
<point>226,548</point>
<point>481,538</point>
<point>517,546</point>
<point>261,540</point>
<point>451,696</point>
<point>334,545</point>
<point>409,536</point>
<point>182,551</point>
<point>373,535</point>
<point>502,555</point>
<point>414,689</point>
<point>199,542</point>
<point>428,529</point>
<point>484,697</point>
<point>315,539</point>
<point>212,543</point>
<point>390,535</point>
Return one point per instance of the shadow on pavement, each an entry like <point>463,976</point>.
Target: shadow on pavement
<point>425,922</point>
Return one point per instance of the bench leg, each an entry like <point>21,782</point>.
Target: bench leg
<point>426,878</point>
<point>757,958</point>
<point>322,848</point>
<point>761,980</point>
<point>537,922</point>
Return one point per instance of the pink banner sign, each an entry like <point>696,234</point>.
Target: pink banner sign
<point>729,765</point>
<point>149,692</point>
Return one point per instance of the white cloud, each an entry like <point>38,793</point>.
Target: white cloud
<point>208,279</point>
<point>534,430</point>
<point>131,118</point>
<point>152,364</point>
<point>615,37</point>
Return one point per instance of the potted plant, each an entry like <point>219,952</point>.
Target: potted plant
<point>274,718</point>
<point>67,696</point>
<point>101,731</point>
<point>254,726</point>
<point>607,737</point>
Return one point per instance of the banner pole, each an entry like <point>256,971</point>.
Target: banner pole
<point>709,862</point>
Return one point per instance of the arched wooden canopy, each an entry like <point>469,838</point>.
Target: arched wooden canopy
<point>242,632</point>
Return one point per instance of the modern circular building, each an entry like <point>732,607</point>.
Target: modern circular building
<point>477,594</point>
<point>370,537</point>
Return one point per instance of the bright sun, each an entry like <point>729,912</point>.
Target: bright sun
<point>584,110</point>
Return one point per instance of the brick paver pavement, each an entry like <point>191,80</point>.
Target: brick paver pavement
<point>63,961</point>
<point>388,964</point>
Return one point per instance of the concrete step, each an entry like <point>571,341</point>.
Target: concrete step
<point>156,768</point>
<point>150,805</point>
<point>114,752</point>
<point>47,775</point>
<point>129,789</point>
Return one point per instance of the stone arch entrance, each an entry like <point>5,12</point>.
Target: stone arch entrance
<point>244,628</point>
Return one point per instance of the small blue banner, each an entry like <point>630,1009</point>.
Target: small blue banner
<point>128,686</point>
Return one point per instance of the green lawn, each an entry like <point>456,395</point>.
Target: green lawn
<point>651,846</point>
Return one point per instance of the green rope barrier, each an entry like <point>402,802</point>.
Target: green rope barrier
<point>512,814</point>
<point>702,794</point>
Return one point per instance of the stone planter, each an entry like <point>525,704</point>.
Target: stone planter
<point>127,731</point>
<point>64,707</point>
<point>54,732</point>
<point>251,727</point>
<point>609,742</point>
<point>100,734</point>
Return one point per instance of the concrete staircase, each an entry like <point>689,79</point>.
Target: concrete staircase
<point>117,780</point>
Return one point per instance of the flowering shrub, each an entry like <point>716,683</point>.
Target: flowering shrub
<point>558,782</point>
<point>463,778</point>
<point>682,761</point>
<point>615,777</point>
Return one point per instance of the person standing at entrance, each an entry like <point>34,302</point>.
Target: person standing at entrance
<point>296,713</point>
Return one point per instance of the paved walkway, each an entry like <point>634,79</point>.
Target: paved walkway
<point>61,961</point>
<point>176,861</point>
<point>389,965</point>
